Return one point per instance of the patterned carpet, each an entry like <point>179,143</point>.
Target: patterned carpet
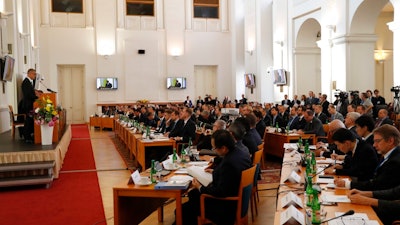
<point>271,171</point>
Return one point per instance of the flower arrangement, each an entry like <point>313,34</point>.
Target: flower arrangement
<point>45,113</point>
<point>143,101</point>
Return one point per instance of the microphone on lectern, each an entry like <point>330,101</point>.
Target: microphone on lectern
<point>348,213</point>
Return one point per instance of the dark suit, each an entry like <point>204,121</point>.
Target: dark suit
<point>384,177</point>
<point>325,105</point>
<point>314,127</point>
<point>162,126</point>
<point>260,127</point>
<point>226,179</point>
<point>301,123</point>
<point>183,130</point>
<point>277,120</point>
<point>28,99</point>
<point>251,140</point>
<point>386,120</point>
<point>322,117</point>
<point>353,130</point>
<point>361,164</point>
<point>286,102</point>
<point>388,209</point>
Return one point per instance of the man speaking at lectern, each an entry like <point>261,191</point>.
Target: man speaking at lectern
<point>28,99</point>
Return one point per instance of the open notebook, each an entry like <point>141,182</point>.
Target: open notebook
<point>202,176</point>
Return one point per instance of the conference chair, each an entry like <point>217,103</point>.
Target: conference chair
<point>243,199</point>
<point>14,121</point>
<point>261,147</point>
<point>254,191</point>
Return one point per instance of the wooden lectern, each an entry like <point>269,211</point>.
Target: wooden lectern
<point>37,133</point>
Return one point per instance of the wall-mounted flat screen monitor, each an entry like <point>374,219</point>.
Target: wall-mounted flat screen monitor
<point>176,82</point>
<point>250,80</point>
<point>7,68</point>
<point>280,76</point>
<point>107,83</point>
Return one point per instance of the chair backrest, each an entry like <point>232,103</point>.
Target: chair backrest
<point>257,156</point>
<point>245,189</point>
<point>261,146</point>
<point>12,118</point>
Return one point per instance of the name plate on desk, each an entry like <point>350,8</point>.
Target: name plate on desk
<point>293,177</point>
<point>292,216</point>
<point>291,199</point>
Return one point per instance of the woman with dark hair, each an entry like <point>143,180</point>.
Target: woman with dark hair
<point>226,179</point>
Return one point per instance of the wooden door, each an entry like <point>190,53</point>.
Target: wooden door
<point>71,92</point>
<point>205,81</point>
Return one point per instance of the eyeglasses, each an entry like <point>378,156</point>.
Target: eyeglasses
<point>353,220</point>
<point>378,140</point>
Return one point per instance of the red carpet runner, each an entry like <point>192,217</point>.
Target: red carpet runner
<point>73,198</point>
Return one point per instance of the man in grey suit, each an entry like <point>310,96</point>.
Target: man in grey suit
<point>313,125</point>
<point>335,115</point>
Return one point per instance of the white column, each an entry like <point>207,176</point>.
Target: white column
<point>223,7</point>
<point>120,14</point>
<point>160,14</point>
<point>45,13</point>
<point>189,14</point>
<point>395,28</point>
<point>326,67</point>
<point>89,13</point>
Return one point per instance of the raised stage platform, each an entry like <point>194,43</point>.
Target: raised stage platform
<point>17,151</point>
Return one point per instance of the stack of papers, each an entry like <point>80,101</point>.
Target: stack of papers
<point>357,218</point>
<point>202,176</point>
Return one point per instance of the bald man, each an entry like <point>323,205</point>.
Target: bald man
<point>324,151</point>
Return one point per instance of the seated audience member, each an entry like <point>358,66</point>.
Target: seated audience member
<point>351,108</point>
<point>386,142</point>
<point>313,126</point>
<point>171,123</point>
<point>164,120</point>
<point>185,128</point>
<point>205,137</point>
<point>323,151</point>
<point>218,114</point>
<point>301,123</point>
<point>383,118</point>
<point>349,121</point>
<point>360,160</point>
<point>334,114</point>
<point>364,127</point>
<point>361,109</point>
<point>320,115</point>
<point>238,131</point>
<point>251,138</point>
<point>151,121</point>
<point>226,179</point>
<point>260,126</point>
<point>205,119</point>
<point>276,119</point>
<point>293,118</point>
<point>284,115</point>
<point>384,202</point>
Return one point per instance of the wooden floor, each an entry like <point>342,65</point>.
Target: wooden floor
<point>112,171</point>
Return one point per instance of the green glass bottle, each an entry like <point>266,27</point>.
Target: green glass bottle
<point>276,127</point>
<point>148,132</point>
<point>153,172</point>
<point>174,156</point>
<point>316,209</point>
<point>309,192</point>
<point>313,164</point>
<point>183,154</point>
<point>300,143</point>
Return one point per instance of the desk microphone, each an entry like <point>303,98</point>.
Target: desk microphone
<point>348,213</point>
<point>329,165</point>
<point>48,89</point>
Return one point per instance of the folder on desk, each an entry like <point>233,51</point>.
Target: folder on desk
<point>172,185</point>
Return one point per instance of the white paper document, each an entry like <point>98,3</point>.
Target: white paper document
<point>335,198</point>
<point>357,218</point>
<point>202,176</point>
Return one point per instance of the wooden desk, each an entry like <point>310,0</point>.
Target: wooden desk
<point>133,203</point>
<point>136,145</point>
<point>341,207</point>
<point>273,142</point>
<point>142,144</point>
<point>102,122</point>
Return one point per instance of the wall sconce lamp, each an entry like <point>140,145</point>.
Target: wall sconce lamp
<point>250,52</point>
<point>280,43</point>
<point>331,27</point>
<point>175,53</point>
<point>380,56</point>
<point>24,35</point>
